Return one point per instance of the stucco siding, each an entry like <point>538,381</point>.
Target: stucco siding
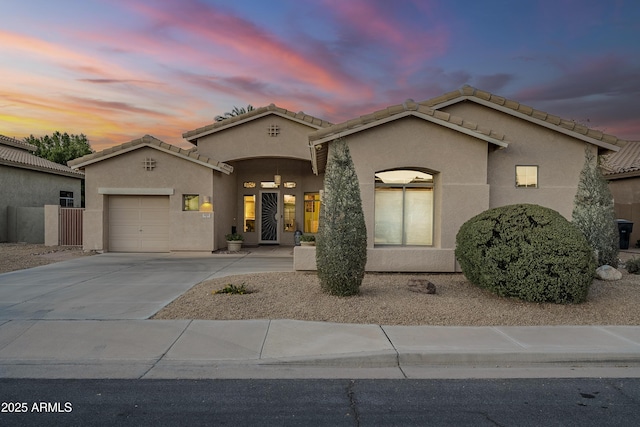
<point>189,230</point>
<point>251,140</point>
<point>29,188</point>
<point>457,161</point>
<point>559,158</point>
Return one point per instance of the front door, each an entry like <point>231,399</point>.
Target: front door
<point>269,217</point>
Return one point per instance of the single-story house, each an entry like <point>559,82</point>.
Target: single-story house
<point>622,169</point>
<point>423,169</point>
<point>28,183</point>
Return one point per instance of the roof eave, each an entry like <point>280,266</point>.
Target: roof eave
<point>528,118</point>
<point>621,175</point>
<point>70,174</point>
<point>208,130</point>
<point>221,167</point>
<point>407,113</point>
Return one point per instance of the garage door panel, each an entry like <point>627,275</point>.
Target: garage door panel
<point>159,203</point>
<point>139,223</point>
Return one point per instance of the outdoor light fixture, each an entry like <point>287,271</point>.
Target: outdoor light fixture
<point>206,205</point>
<point>277,179</point>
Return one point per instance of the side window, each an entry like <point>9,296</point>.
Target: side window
<point>66,199</point>
<point>190,202</point>
<point>249,214</point>
<point>527,176</point>
<point>311,212</point>
<point>289,212</point>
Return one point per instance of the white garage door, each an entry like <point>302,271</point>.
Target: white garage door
<point>139,223</point>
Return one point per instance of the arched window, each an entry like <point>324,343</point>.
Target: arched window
<point>404,208</point>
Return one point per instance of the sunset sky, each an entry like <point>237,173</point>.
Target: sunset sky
<point>119,69</point>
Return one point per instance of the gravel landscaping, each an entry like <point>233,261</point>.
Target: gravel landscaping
<point>386,299</point>
<point>18,256</point>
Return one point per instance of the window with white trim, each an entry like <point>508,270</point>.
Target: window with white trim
<point>403,208</point>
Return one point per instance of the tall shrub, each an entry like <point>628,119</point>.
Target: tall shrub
<point>593,212</point>
<point>341,244</point>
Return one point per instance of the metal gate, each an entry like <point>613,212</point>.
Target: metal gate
<point>70,227</point>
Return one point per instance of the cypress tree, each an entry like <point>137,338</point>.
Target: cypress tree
<point>593,212</point>
<point>341,244</point>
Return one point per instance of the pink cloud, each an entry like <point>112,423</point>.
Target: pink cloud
<point>60,55</point>
<point>249,43</point>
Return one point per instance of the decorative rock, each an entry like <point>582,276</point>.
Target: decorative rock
<point>606,272</point>
<point>422,286</point>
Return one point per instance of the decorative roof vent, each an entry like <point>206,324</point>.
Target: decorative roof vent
<point>149,164</point>
<point>273,130</point>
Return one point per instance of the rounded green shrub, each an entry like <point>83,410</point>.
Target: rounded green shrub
<point>528,252</point>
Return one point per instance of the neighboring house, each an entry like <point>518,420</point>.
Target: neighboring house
<point>622,169</point>
<point>28,183</point>
<point>423,168</point>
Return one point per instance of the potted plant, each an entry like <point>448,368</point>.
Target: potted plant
<point>308,240</point>
<point>234,242</point>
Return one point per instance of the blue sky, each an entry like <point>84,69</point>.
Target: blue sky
<point>118,69</point>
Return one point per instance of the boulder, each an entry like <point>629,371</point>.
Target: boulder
<point>422,286</point>
<point>606,272</point>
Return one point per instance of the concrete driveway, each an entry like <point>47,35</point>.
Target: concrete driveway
<point>119,286</point>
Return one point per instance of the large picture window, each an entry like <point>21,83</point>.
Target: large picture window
<point>404,208</point>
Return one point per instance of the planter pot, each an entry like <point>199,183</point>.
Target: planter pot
<point>234,245</point>
<point>308,243</point>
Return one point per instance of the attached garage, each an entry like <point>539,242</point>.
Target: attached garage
<point>139,223</point>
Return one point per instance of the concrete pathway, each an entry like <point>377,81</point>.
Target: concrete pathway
<point>86,318</point>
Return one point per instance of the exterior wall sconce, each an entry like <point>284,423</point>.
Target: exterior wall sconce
<point>206,205</point>
<point>277,179</point>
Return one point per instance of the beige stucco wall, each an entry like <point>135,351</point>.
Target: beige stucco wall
<point>29,188</point>
<point>256,156</point>
<point>251,140</point>
<point>189,230</point>
<point>51,225</point>
<point>458,163</point>
<point>559,158</point>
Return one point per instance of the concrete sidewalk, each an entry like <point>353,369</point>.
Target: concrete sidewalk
<point>295,349</point>
<point>87,318</point>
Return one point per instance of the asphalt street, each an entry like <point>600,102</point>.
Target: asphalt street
<point>515,402</point>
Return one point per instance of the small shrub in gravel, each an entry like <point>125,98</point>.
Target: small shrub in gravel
<point>528,252</point>
<point>633,266</point>
<point>233,290</point>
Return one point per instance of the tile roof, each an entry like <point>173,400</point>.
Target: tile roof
<point>528,113</point>
<point>150,141</point>
<point>12,142</point>
<point>15,153</point>
<point>626,161</point>
<point>254,114</point>
<point>408,108</point>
